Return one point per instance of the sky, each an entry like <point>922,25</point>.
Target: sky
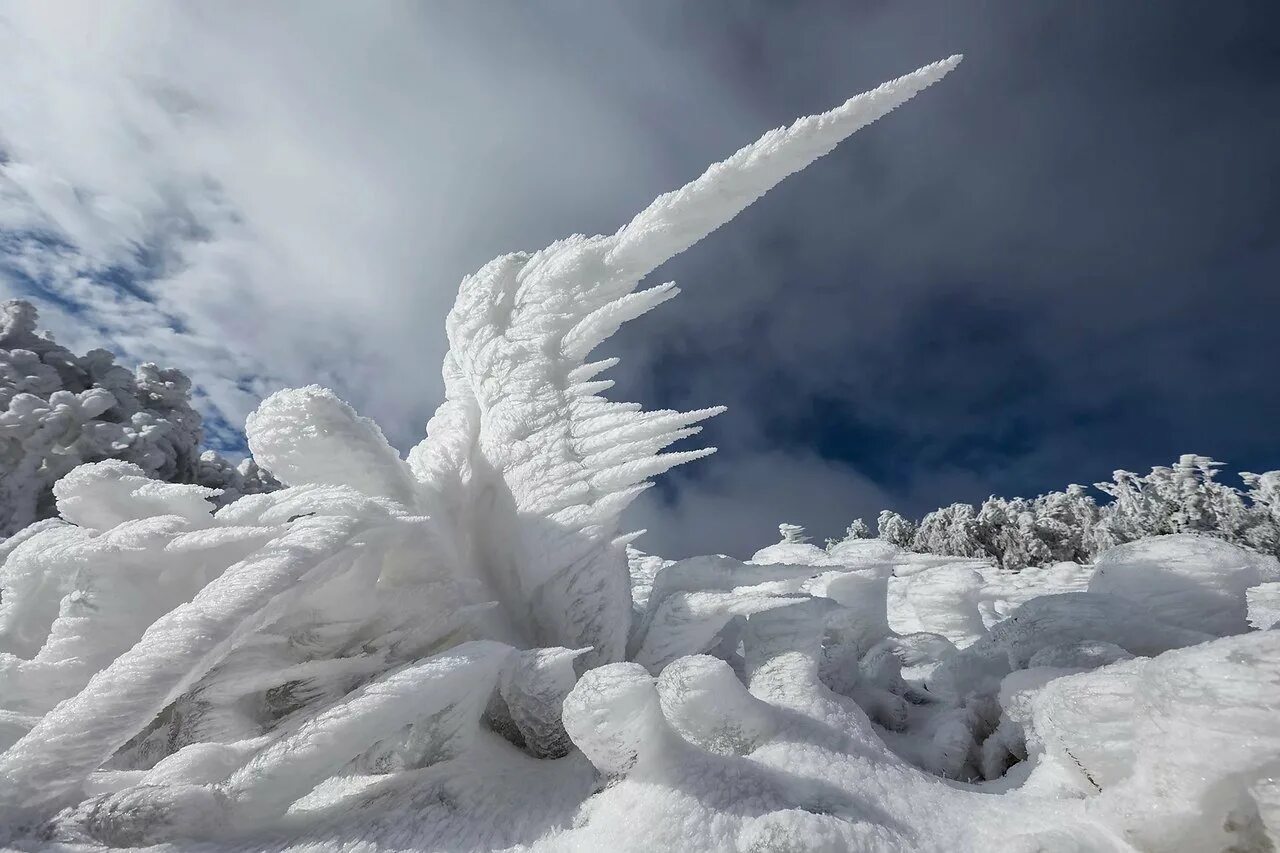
<point>1060,261</point>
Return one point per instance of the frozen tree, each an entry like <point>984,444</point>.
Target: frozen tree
<point>1197,509</point>
<point>1007,531</point>
<point>857,529</point>
<point>951,530</point>
<point>1183,498</point>
<point>1262,522</point>
<point>1070,526</point>
<point>895,529</point>
<point>1130,515</point>
<point>1055,527</point>
<point>1066,522</point>
<point>233,481</point>
<point>60,410</point>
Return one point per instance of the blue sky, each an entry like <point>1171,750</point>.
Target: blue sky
<point>1059,262</point>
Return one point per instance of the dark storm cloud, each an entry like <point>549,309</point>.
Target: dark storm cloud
<point>1061,261</point>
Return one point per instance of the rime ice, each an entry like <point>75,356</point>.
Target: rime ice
<point>460,651</point>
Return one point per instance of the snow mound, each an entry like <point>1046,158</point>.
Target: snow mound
<point>1197,582</point>
<point>1264,605</point>
<point>1170,724</point>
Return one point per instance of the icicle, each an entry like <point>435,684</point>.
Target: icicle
<point>599,325</point>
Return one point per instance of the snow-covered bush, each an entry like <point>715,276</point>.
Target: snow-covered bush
<point>58,410</point>
<point>459,651</point>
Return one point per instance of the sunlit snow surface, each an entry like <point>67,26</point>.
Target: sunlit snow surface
<point>458,651</point>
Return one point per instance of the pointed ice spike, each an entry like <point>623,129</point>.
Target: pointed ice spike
<point>638,449</point>
<point>599,325</point>
<point>627,538</point>
<point>633,472</point>
<point>593,369</point>
<point>600,511</point>
<point>591,389</point>
<point>677,220</point>
<point>612,504</point>
<point>641,425</point>
<point>588,410</point>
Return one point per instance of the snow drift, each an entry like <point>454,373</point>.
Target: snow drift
<point>458,651</point>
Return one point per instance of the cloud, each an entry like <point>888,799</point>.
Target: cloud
<point>737,509</point>
<point>1059,263</point>
<point>293,192</point>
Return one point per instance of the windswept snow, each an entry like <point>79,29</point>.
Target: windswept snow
<point>460,651</point>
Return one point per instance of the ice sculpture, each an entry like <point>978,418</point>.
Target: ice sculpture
<point>459,652</point>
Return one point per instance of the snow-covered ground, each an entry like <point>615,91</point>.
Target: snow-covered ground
<point>459,651</point>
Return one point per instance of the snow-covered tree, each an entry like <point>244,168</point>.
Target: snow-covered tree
<point>58,410</point>
<point>233,481</point>
<point>1070,526</point>
<point>1007,531</point>
<point>951,530</point>
<point>1183,498</point>
<point>1262,521</point>
<point>895,529</point>
<point>1066,521</point>
<point>857,529</point>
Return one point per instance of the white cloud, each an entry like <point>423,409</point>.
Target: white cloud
<point>299,189</point>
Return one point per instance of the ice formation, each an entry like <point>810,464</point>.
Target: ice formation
<point>460,651</point>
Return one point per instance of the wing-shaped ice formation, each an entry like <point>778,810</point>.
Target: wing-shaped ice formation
<point>531,465</point>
